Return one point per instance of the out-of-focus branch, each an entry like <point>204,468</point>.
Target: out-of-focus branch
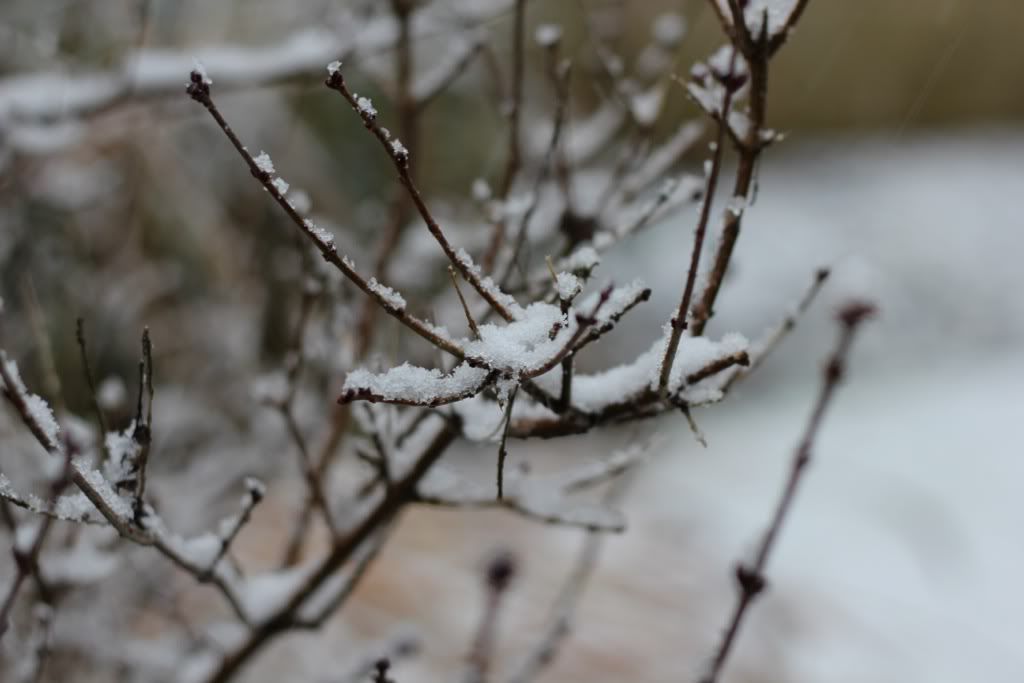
<point>750,577</point>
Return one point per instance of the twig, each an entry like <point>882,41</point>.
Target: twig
<point>143,433</point>
<point>512,108</point>
<point>399,156</point>
<point>199,90</point>
<point>679,320</point>
<point>503,446</point>
<point>750,578</point>
<point>773,338</point>
<point>87,370</point>
<point>465,307</point>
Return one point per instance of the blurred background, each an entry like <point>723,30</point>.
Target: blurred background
<point>901,169</point>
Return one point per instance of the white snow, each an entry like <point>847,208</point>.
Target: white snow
<point>323,236</point>
<point>567,286</point>
<point>524,344</point>
<point>412,384</point>
<point>398,149</point>
<point>264,163</point>
<point>391,298</point>
<point>365,106</point>
<point>280,185</point>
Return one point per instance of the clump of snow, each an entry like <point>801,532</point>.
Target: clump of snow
<point>411,384</point>
<point>325,237</point>
<point>594,392</point>
<point>398,149</point>
<point>124,452</point>
<point>390,297</point>
<point>584,259</point>
<point>264,163</point>
<point>524,344</point>
<point>280,185</point>
<point>618,302</point>
<point>334,67</point>
<point>365,106</point>
<point>567,286</point>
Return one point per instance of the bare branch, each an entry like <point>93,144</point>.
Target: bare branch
<point>750,578</point>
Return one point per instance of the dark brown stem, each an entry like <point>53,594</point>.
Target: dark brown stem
<point>503,446</point>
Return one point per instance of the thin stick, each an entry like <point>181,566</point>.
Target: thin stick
<point>503,448</point>
<point>750,578</point>
<point>199,90</point>
<point>465,307</point>
<point>87,370</point>
<point>679,320</point>
<point>399,156</point>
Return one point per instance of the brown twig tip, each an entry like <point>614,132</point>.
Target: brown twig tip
<point>501,570</point>
<point>198,87</point>
<point>854,313</point>
<point>822,274</point>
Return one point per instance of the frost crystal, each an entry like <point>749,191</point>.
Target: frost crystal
<point>334,67</point>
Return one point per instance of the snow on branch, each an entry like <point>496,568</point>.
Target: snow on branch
<point>415,386</point>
